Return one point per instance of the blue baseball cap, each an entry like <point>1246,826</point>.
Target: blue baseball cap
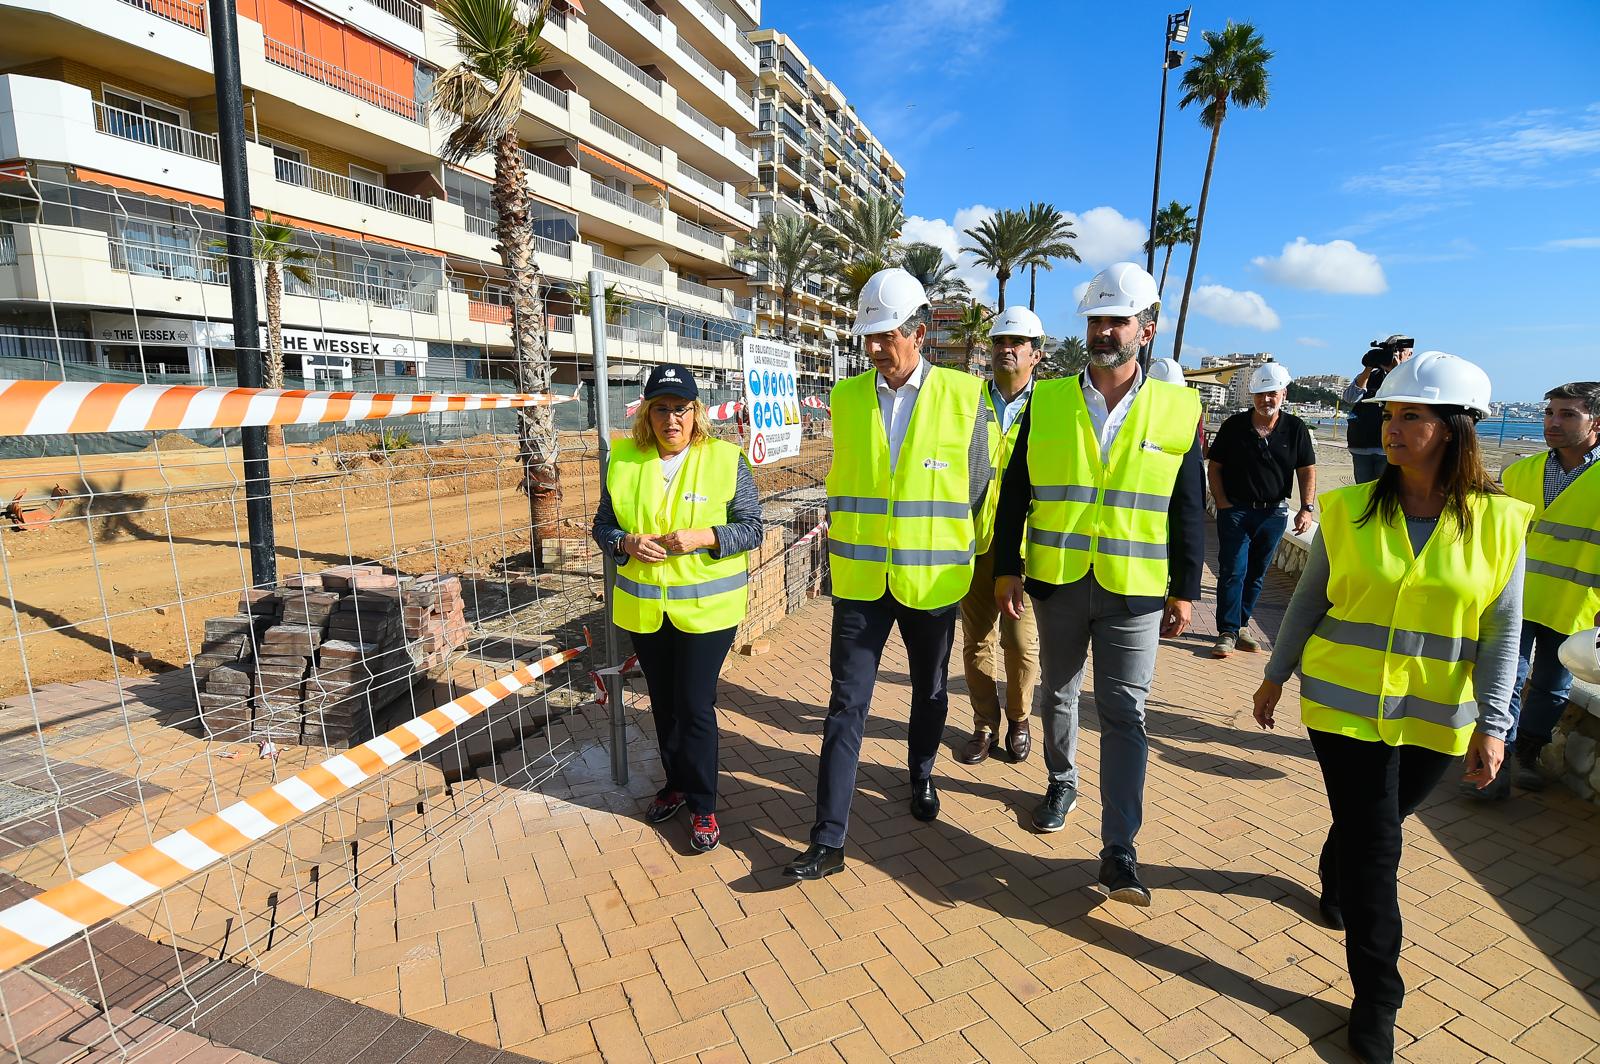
<point>670,379</point>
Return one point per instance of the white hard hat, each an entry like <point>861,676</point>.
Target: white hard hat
<point>1166,369</point>
<point>1269,377</point>
<point>1580,654</point>
<point>1437,379</point>
<point>887,300</point>
<point>1121,290</point>
<point>1017,321</point>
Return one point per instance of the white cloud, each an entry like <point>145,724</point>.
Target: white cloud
<point>912,34</point>
<point>1574,243</point>
<point>1078,291</point>
<point>1310,341</point>
<point>949,238</point>
<point>1105,236</point>
<point>1223,304</point>
<point>1535,149</point>
<point>1337,266</point>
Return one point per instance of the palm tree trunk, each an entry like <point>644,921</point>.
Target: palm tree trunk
<point>1165,264</point>
<point>1001,300</point>
<point>1199,227</point>
<point>1033,284</point>
<point>537,443</point>
<point>274,367</point>
<point>783,306</point>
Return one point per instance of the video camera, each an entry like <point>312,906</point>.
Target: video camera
<point>1382,352</point>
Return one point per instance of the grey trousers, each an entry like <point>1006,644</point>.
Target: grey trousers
<point>1072,619</point>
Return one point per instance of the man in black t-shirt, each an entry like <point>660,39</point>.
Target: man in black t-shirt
<point>1254,461</point>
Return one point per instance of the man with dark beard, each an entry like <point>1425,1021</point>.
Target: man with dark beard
<point>1106,480</point>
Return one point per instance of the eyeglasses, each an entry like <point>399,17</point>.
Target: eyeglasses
<point>673,412</point>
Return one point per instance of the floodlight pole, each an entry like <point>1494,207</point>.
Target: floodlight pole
<point>1177,33</point>
<point>238,224</point>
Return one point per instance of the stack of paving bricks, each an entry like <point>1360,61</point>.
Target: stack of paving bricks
<point>315,660</point>
<point>804,565</point>
<point>767,602</point>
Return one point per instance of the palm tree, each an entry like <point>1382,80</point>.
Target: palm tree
<point>854,275</point>
<point>1002,243</point>
<point>1174,226</point>
<point>481,95</point>
<point>870,226</point>
<point>790,248</point>
<point>1233,70</point>
<point>272,244</point>
<point>616,303</point>
<point>971,329</point>
<point>928,264</point>
<point>1069,359</point>
<point>1052,234</point>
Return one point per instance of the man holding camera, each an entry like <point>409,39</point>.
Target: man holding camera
<point>1365,436</point>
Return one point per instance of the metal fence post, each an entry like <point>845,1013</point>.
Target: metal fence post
<point>602,421</point>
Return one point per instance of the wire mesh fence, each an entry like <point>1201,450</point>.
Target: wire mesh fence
<point>233,769</point>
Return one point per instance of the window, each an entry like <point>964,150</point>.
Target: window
<point>133,117</point>
<point>288,163</point>
<point>369,189</point>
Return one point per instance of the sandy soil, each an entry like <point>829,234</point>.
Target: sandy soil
<point>122,582</point>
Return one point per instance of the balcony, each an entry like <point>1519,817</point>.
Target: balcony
<point>561,175</point>
<point>495,313</point>
<point>701,233</point>
<point>309,66</point>
<point>627,269</point>
<point>164,135</point>
<point>626,135</point>
<point>190,14</point>
<point>404,10</point>
<point>626,65</point>
<point>328,183</point>
<point>637,207</point>
<point>543,89</point>
<point>702,291</point>
<point>650,17</point>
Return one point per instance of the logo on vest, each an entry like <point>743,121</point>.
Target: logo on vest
<point>934,463</point>
<point>1150,445</point>
<point>690,496</point>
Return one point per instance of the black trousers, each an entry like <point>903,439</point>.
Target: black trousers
<point>681,670</point>
<point>1372,788</point>
<point>860,630</point>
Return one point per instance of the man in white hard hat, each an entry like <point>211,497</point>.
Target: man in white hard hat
<point>910,470</point>
<point>1254,460</point>
<point>1562,593</point>
<point>1106,488</point>
<point>1015,337</point>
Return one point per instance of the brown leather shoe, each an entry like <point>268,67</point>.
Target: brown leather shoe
<point>1018,740</point>
<point>977,747</point>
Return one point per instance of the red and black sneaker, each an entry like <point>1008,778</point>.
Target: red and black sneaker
<point>704,833</point>
<point>666,803</point>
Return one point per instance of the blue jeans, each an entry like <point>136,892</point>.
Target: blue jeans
<point>1246,540</point>
<point>1368,467</point>
<point>1549,682</point>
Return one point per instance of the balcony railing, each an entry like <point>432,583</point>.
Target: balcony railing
<point>695,288</point>
<point>552,247</point>
<point>624,64</point>
<point>328,183</point>
<point>190,14</point>
<point>628,334</point>
<point>689,112</point>
<point>478,225</point>
<point>704,180</point>
<point>540,87</point>
<point>493,313</point>
<point>699,232</point>
<point>337,287</point>
<point>711,69</point>
<point>127,125</point>
<point>173,261</point>
<point>626,135</point>
<point>744,201</point>
<point>8,246</point>
<point>310,66</point>
<point>645,13</point>
<point>714,13</point>
<point>404,10</point>
<point>694,343</point>
<point>648,212</point>
<point>626,269</point>
<point>561,323</point>
<point>554,171</point>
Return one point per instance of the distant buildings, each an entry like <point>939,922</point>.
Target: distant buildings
<point>1235,394</point>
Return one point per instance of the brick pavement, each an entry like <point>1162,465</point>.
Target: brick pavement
<point>565,928</point>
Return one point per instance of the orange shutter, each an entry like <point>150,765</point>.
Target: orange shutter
<point>397,73</point>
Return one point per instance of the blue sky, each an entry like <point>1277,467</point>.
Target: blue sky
<point>1421,167</point>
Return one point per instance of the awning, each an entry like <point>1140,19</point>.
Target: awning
<point>624,167</point>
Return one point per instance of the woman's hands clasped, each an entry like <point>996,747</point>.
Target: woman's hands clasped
<point>644,547</point>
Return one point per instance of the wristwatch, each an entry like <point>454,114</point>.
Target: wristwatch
<point>1309,508</point>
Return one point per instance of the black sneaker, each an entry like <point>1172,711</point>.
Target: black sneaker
<point>1119,879</point>
<point>1051,812</point>
<point>1528,776</point>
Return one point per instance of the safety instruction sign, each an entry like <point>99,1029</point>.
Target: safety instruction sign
<point>771,400</point>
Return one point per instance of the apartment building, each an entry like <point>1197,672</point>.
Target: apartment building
<point>1235,394</point>
<point>944,349</point>
<point>636,134</point>
<point>816,157</point>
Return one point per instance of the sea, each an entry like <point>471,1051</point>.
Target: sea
<point>1490,429</point>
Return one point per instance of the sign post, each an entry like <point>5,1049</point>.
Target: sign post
<point>772,400</point>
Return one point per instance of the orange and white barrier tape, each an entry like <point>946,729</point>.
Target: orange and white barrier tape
<point>719,412</point>
<point>30,927</point>
<point>42,408</point>
<point>817,402</point>
<point>822,526</point>
<point>630,667</point>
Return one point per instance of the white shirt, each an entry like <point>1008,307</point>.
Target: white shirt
<point>670,464</point>
<point>1009,412</point>
<point>895,404</point>
<point>1107,423</point>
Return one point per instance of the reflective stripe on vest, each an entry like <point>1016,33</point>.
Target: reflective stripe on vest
<point>911,532</point>
<point>1562,588</point>
<point>1001,446</point>
<point>699,592</point>
<point>1393,659</point>
<point>1111,515</point>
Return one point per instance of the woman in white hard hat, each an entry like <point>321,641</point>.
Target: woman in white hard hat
<point>679,512</point>
<point>1404,630</point>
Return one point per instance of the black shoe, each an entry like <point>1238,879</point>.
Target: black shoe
<point>1119,879</point>
<point>1528,777</point>
<point>1371,1033</point>
<point>924,800</point>
<point>1051,812</point>
<point>817,861</point>
<point>1498,790</point>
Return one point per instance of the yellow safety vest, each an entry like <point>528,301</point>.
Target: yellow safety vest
<point>700,593</point>
<point>1110,516</point>
<point>912,532</point>
<point>1393,659</point>
<point>1001,444</point>
<point>1562,587</point>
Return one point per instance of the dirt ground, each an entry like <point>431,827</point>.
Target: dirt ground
<point>148,545</point>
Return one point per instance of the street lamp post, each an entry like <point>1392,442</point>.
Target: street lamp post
<point>1177,33</point>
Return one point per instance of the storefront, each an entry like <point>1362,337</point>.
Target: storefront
<point>146,343</point>
<point>314,354</point>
